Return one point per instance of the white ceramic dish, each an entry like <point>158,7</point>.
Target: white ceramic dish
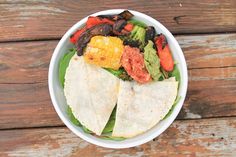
<point>58,98</point>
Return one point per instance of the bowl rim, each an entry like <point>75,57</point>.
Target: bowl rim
<point>170,119</point>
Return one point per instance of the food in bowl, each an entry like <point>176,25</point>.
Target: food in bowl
<point>120,79</point>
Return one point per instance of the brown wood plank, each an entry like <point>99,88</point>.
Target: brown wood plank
<point>27,62</point>
<point>211,137</point>
<point>211,93</point>
<point>26,105</point>
<point>29,20</point>
<point>203,51</point>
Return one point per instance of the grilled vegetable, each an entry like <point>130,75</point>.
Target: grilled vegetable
<point>118,27</point>
<point>138,34</point>
<point>76,35</point>
<point>101,29</point>
<point>129,27</point>
<point>104,51</point>
<point>123,15</point>
<point>92,21</point>
<point>126,15</point>
<point>133,62</point>
<point>150,33</point>
<point>131,43</point>
<point>164,53</point>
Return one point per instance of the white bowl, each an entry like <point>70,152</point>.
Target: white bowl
<point>58,98</point>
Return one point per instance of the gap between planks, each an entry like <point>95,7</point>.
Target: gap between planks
<point>64,126</point>
<point>174,34</point>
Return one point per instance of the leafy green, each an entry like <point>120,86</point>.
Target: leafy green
<point>72,117</point>
<point>137,22</point>
<point>108,128</point>
<point>113,138</point>
<point>111,122</point>
<point>172,108</point>
<point>120,73</point>
<point>152,61</point>
<point>108,136</point>
<point>86,130</point>
<point>64,62</point>
<point>175,73</point>
<point>76,121</point>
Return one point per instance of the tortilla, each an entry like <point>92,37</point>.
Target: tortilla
<point>91,92</point>
<point>142,106</point>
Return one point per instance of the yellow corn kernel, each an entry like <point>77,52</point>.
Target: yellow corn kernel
<point>104,51</point>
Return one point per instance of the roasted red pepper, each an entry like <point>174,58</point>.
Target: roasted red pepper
<point>76,35</point>
<point>92,21</point>
<point>163,51</point>
<point>129,27</point>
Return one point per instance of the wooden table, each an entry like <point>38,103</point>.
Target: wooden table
<point>29,32</point>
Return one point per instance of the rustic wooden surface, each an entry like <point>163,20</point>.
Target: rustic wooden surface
<point>30,30</point>
<point>30,20</point>
<point>206,137</point>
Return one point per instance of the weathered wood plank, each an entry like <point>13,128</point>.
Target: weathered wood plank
<point>29,20</point>
<point>27,62</point>
<point>210,137</point>
<point>26,105</point>
<point>211,93</point>
<point>202,51</point>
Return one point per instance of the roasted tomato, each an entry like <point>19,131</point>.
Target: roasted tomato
<point>133,62</point>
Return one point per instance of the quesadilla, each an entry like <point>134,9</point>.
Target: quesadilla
<point>91,92</point>
<point>140,107</point>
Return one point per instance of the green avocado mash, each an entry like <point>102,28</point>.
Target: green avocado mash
<point>152,61</point>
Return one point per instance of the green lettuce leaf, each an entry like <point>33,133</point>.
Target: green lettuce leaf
<point>72,117</point>
<point>172,108</point>
<point>64,62</point>
<point>108,136</point>
<point>111,122</point>
<point>120,73</point>
<point>108,128</point>
<point>175,73</point>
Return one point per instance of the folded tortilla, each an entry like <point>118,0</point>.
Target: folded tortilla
<point>91,92</point>
<point>142,106</point>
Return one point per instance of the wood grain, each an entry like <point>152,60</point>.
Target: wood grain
<point>211,93</point>
<point>27,62</point>
<point>210,137</point>
<point>201,51</point>
<point>30,20</point>
<point>26,105</point>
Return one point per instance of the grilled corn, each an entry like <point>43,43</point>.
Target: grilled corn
<point>104,51</point>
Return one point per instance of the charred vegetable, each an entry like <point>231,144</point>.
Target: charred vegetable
<point>138,34</point>
<point>123,15</point>
<point>118,27</point>
<point>126,15</point>
<point>131,43</point>
<point>167,62</point>
<point>92,21</point>
<point>150,33</point>
<point>101,29</point>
